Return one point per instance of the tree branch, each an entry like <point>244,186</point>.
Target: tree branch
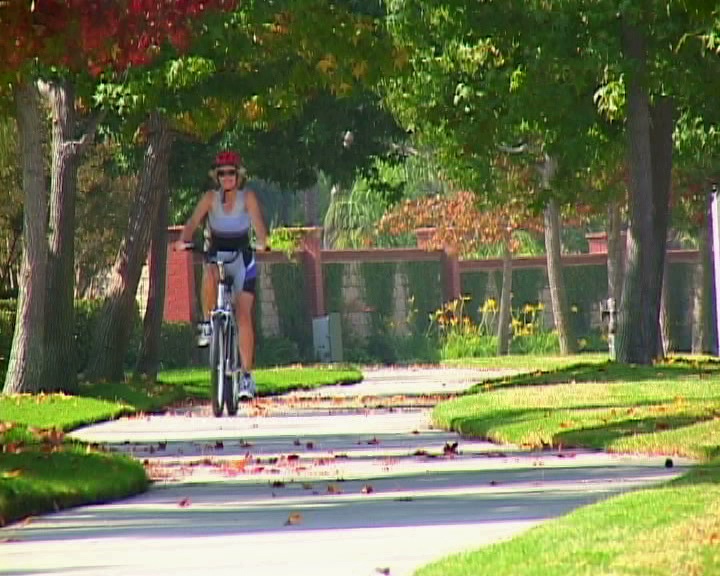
<point>86,140</point>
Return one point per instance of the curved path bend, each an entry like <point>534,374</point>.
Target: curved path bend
<point>344,480</point>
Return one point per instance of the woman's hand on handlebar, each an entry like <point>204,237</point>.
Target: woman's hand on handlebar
<point>183,245</point>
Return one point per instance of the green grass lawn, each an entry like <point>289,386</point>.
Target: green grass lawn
<point>528,362</point>
<point>672,408</point>
<point>40,471</point>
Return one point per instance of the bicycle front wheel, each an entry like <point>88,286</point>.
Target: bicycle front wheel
<point>217,367</point>
<point>231,353</point>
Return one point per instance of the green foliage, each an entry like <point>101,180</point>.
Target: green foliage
<point>277,351</point>
<point>288,284</point>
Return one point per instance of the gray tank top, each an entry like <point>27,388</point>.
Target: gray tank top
<point>229,230</point>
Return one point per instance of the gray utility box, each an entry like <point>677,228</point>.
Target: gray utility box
<point>327,338</point>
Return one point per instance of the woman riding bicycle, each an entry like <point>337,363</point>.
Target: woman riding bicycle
<point>232,210</point>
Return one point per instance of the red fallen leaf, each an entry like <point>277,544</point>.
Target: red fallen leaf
<point>420,453</point>
<point>334,489</point>
<point>219,445</point>
<point>294,519</point>
<point>416,431</point>
<point>146,462</point>
<point>367,489</point>
<point>293,457</point>
<point>184,503</point>
<point>257,469</point>
<point>450,448</point>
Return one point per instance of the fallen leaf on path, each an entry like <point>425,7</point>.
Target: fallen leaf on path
<point>277,484</point>
<point>184,503</point>
<point>385,571</point>
<point>334,489</point>
<point>219,445</point>
<point>373,441</point>
<point>294,519</point>
<point>367,489</point>
<point>450,448</point>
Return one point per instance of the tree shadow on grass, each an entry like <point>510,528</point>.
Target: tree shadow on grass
<point>608,372</point>
<point>596,437</point>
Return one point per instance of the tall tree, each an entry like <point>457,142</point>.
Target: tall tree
<point>56,42</point>
<point>485,69</point>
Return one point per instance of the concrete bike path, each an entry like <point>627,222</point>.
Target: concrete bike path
<point>347,480</point>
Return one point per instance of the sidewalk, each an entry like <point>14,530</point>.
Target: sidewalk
<point>347,480</point>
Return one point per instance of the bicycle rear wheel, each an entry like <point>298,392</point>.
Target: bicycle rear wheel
<point>217,367</point>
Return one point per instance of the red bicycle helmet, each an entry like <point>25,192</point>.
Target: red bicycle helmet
<point>228,158</point>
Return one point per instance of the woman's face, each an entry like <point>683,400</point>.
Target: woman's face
<point>227,177</point>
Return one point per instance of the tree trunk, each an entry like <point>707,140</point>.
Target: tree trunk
<point>665,343</point>
<point>650,135</point>
<point>616,253</point>
<point>561,313</point>
<point>149,358</point>
<point>310,205</point>
<point>113,330</point>
<point>25,372</point>
<point>60,355</point>
<point>503,333</point>
<point>702,326</point>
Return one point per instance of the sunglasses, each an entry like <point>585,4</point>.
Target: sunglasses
<point>222,173</point>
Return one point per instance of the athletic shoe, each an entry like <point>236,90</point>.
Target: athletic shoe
<point>204,334</point>
<point>247,387</point>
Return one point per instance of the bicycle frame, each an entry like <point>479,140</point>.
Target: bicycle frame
<point>226,365</point>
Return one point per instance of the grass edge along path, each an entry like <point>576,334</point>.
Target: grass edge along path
<point>42,472</point>
<point>670,408</point>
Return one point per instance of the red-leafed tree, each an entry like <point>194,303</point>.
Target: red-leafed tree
<point>47,46</point>
<point>461,224</point>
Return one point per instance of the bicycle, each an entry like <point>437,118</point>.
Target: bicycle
<point>224,358</point>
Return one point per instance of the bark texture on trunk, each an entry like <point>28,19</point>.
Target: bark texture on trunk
<point>561,312</point>
<point>25,368</point>
<point>650,155</point>
<point>113,330</point>
<point>616,253</point>
<point>60,355</point>
<point>149,358</point>
<point>503,342</point>
<point>702,296</point>
<point>665,342</point>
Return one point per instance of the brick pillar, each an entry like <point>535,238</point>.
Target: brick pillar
<point>450,275</point>
<point>312,268</point>
<point>180,293</point>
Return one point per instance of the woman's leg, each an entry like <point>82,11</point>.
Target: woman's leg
<point>209,289</point>
<point>244,302</point>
